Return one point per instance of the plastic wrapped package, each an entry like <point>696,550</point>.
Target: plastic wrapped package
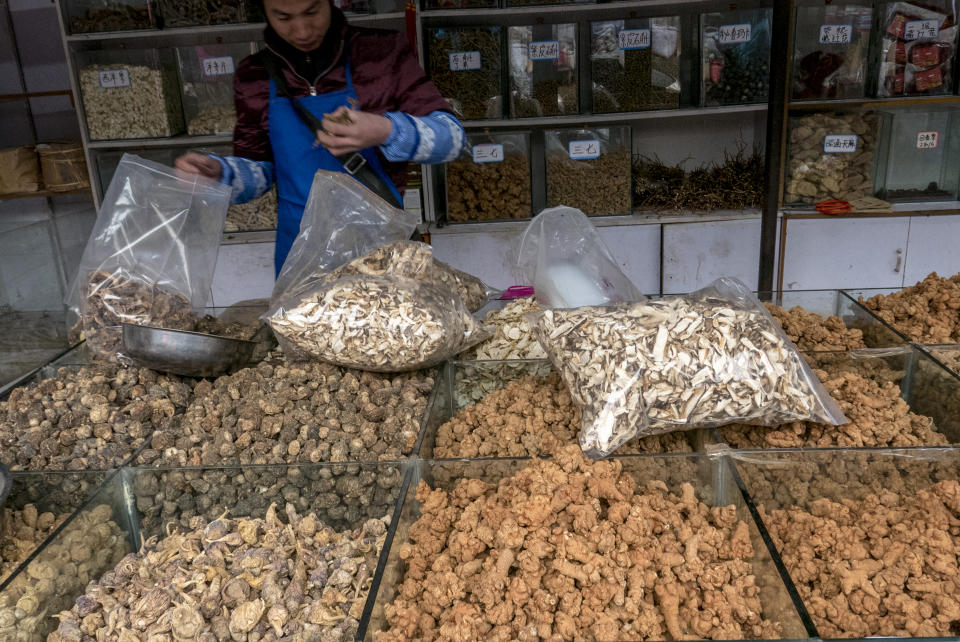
<point>709,358</point>
<point>735,48</point>
<point>192,13</point>
<point>460,4</point>
<point>130,93</point>
<point>20,170</point>
<point>916,48</point>
<point>64,166</point>
<point>85,16</point>
<point>490,180</point>
<point>464,64</point>
<point>831,44</point>
<point>830,156</point>
<point>151,255</point>
<point>635,64</point>
<point>206,77</point>
<point>590,169</point>
<point>918,158</point>
<point>543,70</point>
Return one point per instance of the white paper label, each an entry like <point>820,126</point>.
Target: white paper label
<point>544,50</point>
<point>464,60</point>
<point>840,143</point>
<point>220,66</point>
<point>114,78</point>
<point>733,34</point>
<point>487,153</point>
<point>928,140</point>
<point>411,200</point>
<point>584,149</point>
<point>921,29</point>
<point>835,34</point>
<point>634,39</point>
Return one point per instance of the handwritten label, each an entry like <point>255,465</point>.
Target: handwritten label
<point>835,34</point>
<point>487,153</point>
<point>634,39</point>
<point>840,143</point>
<point>220,66</point>
<point>544,50</point>
<point>928,140</point>
<point>114,78</point>
<point>733,34</point>
<point>583,149</point>
<point>921,29</point>
<point>464,60</point>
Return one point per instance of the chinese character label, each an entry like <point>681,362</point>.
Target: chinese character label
<point>928,140</point>
<point>921,29</point>
<point>221,66</point>
<point>464,60</point>
<point>488,153</point>
<point>634,39</point>
<point>733,34</point>
<point>114,78</point>
<point>544,50</point>
<point>840,143</point>
<point>835,34</point>
<point>584,149</point>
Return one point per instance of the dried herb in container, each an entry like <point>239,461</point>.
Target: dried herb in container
<point>830,50</point>
<point>543,70</point>
<point>464,64</point>
<point>86,16</point>
<point>736,57</point>
<point>589,170</point>
<point>491,179</point>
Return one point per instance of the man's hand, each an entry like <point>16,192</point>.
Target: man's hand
<point>347,130</point>
<point>194,163</point>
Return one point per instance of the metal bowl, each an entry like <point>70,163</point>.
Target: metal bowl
<point>189,354</point>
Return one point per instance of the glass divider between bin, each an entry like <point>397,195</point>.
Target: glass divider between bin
<point>130,506</point>
<point>856,304</point>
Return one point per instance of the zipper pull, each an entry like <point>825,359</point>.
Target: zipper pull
<point>313,90</point>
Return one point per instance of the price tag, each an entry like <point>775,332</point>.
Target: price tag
<point>114,78</point>
<point>835,34</point>
<point>544,50</point>
<point>487,153</point>
<point>464,60</point>
<point>733,34</point>
<point>928,140</point>
<point>921,29</point>
<point>840,143</point>
<point>221,66</point>
<point>583,149</point>
<point>634,39</point>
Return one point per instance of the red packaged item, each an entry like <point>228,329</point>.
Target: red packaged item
<point>924,56</point>
<point>928,79</point>
<point>897,26</point>
<point>894,82</point>
<point>900,53</point>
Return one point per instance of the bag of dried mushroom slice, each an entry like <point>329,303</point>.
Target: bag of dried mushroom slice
<point>151,255</point>
<point>705,359</point>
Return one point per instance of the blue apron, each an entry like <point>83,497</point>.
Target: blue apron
<point>297,159</point>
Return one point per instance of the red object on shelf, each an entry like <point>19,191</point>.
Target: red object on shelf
<point>833,207</point>
<point>928,79</point>
<point>517,292</point>
<point>410,14</point>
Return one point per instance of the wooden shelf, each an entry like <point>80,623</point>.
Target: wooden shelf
<point>939,208</point>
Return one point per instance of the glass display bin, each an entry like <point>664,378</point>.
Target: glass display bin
<point>28,340</point>
<point>830,49</point>
<point>948,354</point>
<point>635,64</point>
<point>735,54</point>
<point>830,155</point>
<point>696,478</point>
<point>107,161</point>
<point>529,3</point>
<point>460,4</point>
<point>589,169</point>
<point>866,537</point>
<point>915,47</point>
<point>464,64</point>
<point>918,157</point>
<point>86,16</point>
<point>490,180</point>
<point>130,93</point>
<point>543,70</point>
<point>196,13</point>
<point>206,83</point>
<point>255,216</point>
<point>355,7</point>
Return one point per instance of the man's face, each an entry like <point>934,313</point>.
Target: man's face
<point>302,23</point>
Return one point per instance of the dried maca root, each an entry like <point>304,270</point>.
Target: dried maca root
<point>928,312</point>
<point>22,531</point>
<point>810,331</point>
<point>882,565</point>
<point>573,549</point>
<point>91,418</point>
<point>878,417</point>
<point>291,413</point>
<point>235,579</point>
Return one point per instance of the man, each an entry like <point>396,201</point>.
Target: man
<point>364,86</point>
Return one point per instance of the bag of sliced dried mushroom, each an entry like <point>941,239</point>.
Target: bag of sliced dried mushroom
<point>709,358</point>
<point>151,255</point>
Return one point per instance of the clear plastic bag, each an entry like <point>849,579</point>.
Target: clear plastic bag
<point>568,264</point>
<point>152,253</point>
<point>916,50</point>
<point>706,359</point>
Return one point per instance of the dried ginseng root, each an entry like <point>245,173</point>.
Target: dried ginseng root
<point>707,359</point>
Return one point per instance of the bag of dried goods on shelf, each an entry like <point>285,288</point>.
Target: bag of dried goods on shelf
<point>19,170</point>
<point>562,255</point>
<point>709,358</point>
<point>151,255</point>
<point>917,47</point>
